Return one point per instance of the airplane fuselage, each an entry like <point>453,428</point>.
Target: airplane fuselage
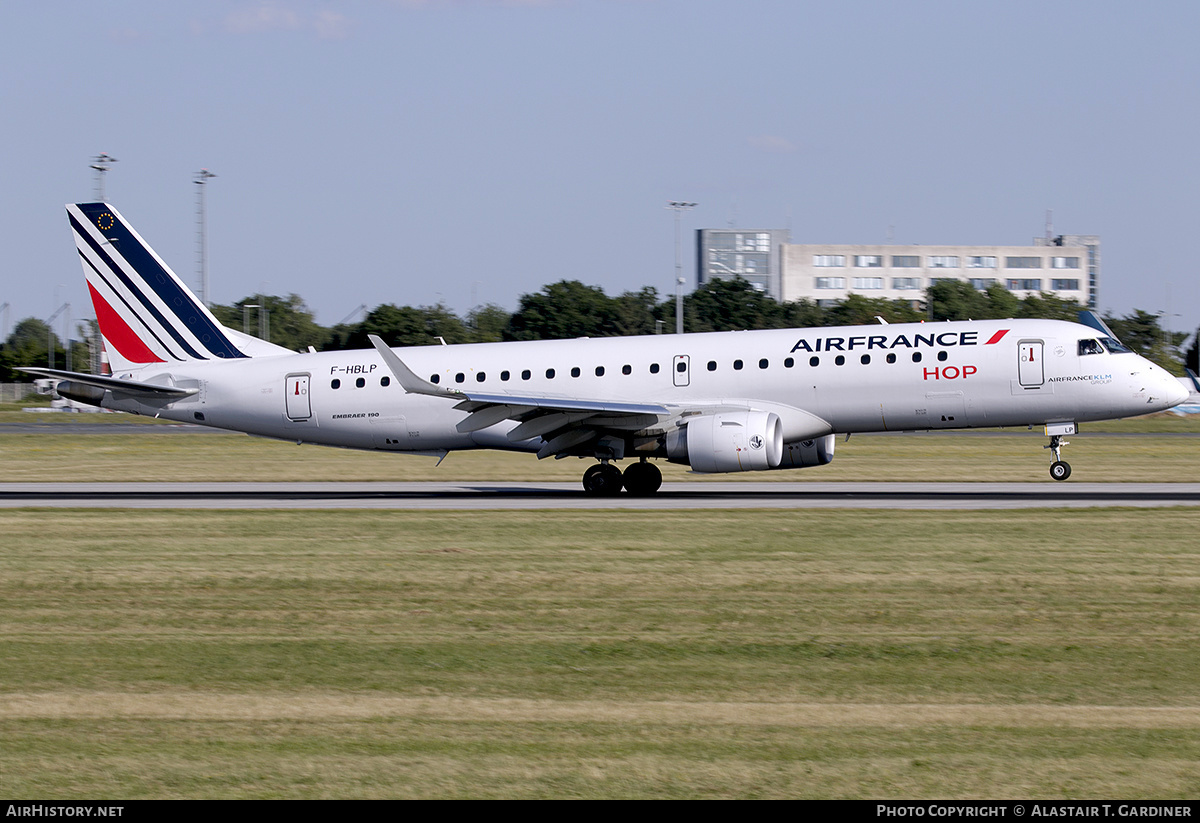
<point>857,379</point>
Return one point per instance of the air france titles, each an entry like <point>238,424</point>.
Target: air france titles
<point>883,341</point>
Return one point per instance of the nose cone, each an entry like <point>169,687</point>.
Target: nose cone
<point>1176,393</point>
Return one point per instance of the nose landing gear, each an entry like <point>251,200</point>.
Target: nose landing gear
<point>1059,469</point>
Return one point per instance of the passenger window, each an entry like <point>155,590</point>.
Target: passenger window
<point>814,361</point>
<point>627,369</point>
<point>599,371</point>
<point>360,382</point>
<point>574,371</point>
<point>840,360</point>
<point>943,355</point>
<point>550,374</point>
<point>385,381</point>
<point>337,384</point>
<point>526,374</point>
<point>737,365</point>
<point>762,364</point>
<point>479,378</point>
<point>865,359</point>
<point>891,358</point>
<point>504,376</point>
<point>788,362</point>
<point>654,368</point>
<point>916,357</point>
<point>712,365</point>
<point>433,378</point>
<point>460,377</point>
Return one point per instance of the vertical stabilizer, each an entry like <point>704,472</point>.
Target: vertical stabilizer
<point>146,314</point>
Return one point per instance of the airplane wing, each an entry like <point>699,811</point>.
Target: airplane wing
<point>566,423</point>
<point>130,387</point>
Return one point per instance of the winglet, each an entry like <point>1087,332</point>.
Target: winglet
<point>409,381</point>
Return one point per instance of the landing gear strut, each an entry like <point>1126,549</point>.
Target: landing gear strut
<point>1059,469</point>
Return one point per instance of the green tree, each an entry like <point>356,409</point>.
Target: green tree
<point>1048,306</point>
<point>290,322</point>
<point>408,326</point>
<point>486,324</point>
<point>729,304</point>
<point>957,300</point>
<point>857,310</point>
<point>27,345</point>
<point>563,310</point>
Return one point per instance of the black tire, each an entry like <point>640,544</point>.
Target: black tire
<point>1060,470</point>
<point>642,479</point>
<point>602,480</point>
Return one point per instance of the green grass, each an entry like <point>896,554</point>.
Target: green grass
<point>172,456</point>
<point>578,654</point>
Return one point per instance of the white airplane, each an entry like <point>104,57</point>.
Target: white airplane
<point>717,402</point>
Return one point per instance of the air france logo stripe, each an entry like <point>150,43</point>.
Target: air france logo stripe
<point>995,338</point>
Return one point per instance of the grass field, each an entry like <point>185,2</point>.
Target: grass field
<point>1159,453</point>
<point>711,654</point>
<point>719,654</point>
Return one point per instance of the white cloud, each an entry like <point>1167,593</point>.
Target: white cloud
<point>265,17</point>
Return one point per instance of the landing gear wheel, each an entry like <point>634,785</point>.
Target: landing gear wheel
<point>642,479</point>
<point>602,480</point>
<point>1060,470</point>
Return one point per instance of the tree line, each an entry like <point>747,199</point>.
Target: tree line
<point>570,308</point>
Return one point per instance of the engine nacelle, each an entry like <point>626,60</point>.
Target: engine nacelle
<point>728,442</point>
<point>815,452</point>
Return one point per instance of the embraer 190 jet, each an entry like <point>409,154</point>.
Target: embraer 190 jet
<point>717,402</point>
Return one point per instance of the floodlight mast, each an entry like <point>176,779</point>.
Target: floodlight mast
<point>201,179</point>
<point>679,207</point>
<point>100,164</point>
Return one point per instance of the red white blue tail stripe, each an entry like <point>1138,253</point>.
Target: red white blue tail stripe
<point>146,313</point>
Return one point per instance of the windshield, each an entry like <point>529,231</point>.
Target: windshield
<point>1115,346</point>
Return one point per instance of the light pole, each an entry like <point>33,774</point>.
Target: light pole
<point>679,207</point>
<point>100,164</point>
<point>202,178</point>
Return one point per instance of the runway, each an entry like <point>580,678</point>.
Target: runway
<point>476,496</point>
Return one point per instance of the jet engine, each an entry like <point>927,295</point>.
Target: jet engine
<point>815,452</point>
<point>728,442</point>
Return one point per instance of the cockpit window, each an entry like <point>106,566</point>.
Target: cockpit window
<point>1090,347</point>
<point>1115,346</point>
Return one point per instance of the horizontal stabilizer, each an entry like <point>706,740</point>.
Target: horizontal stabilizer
<point>129,387</point>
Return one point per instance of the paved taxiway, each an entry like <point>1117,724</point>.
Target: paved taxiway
<point>477,495</point>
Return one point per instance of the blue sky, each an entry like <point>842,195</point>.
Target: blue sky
<point>468,151</point>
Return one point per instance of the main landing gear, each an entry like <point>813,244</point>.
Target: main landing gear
<point>606,480</point>
<point>1059,469</point>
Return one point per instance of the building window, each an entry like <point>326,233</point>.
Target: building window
<point>906,283</point>
<point>868,282</point>
<point>1064,262</point>
<point>1064,285</point>
<point>982,262</point>
<point>829,260</point>
<point>1023,262</point>
<point>982,283</point>
<point>906,261</point>
<point>831,282</point>
<point>1025,285</point>
<point>868,261</point>
<point>943,262</point>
